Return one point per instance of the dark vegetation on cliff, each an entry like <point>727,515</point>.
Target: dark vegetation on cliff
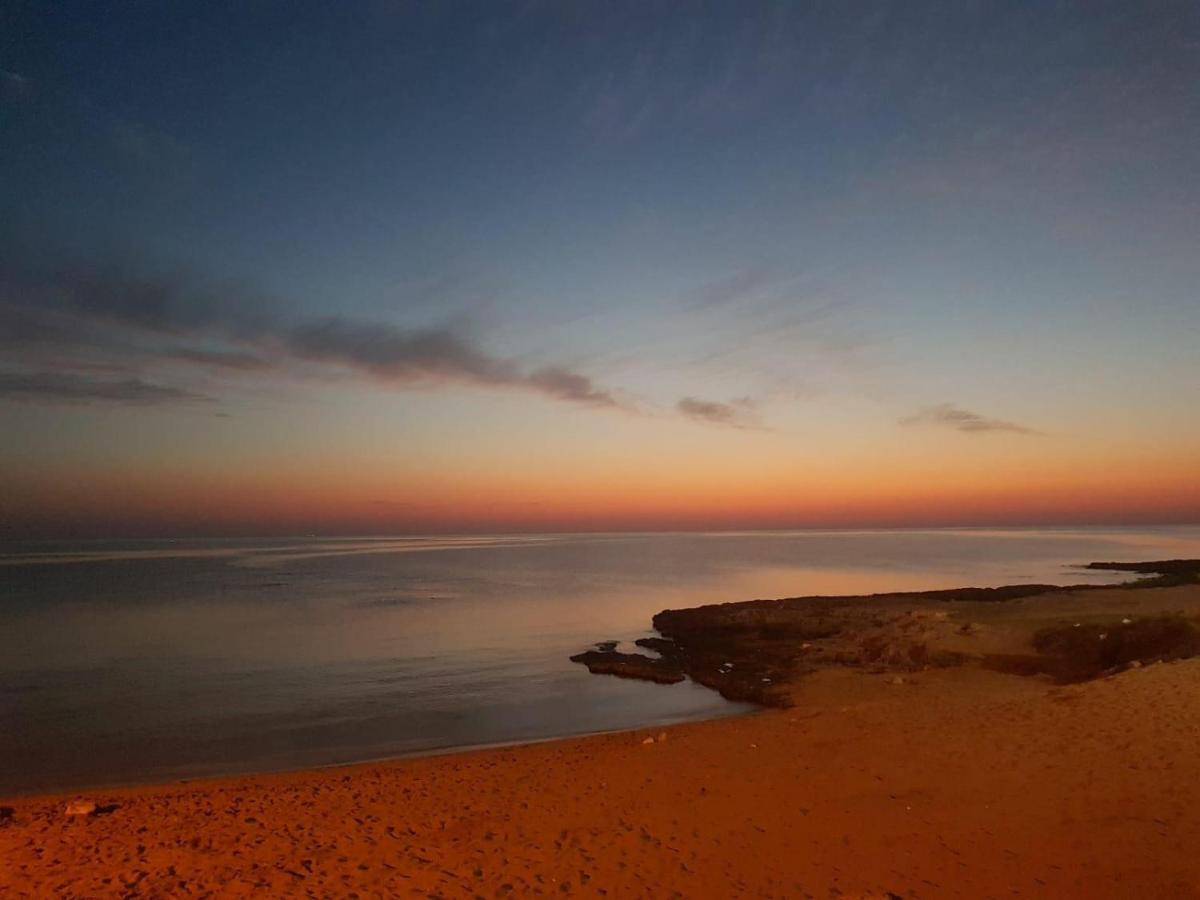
<point>1072,653</point>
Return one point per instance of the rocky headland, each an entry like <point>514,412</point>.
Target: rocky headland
<point>759,650</point>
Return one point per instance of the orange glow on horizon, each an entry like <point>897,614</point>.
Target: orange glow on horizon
<point>375,500</point>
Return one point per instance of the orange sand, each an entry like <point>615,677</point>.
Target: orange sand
<point>955,783</point>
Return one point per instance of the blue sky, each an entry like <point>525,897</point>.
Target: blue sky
<point>815,220</point>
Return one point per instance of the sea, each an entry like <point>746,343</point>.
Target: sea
<point>145,661</point>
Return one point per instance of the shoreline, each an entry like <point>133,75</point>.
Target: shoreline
<point>899,778</point>
<point>430,753</point>
<point>960,782</point>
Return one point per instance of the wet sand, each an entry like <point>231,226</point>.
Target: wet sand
<point>944,782</point>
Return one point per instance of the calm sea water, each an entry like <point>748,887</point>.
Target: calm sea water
<point>127,662</point>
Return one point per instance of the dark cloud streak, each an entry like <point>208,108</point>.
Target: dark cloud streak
<point>423,356</point>
<point>229,360</point>
<point>395,354</point>
<point>61,387</point>
<point>60,317</point>
<point>61,320</point>
<point>563,384</point>
<point>738,414</point>
<point>111,294</point>
<point>947,415</point>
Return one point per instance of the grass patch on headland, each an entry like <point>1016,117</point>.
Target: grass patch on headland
<point>1074,653</point>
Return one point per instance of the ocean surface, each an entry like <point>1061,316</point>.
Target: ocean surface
<point>143,661</point>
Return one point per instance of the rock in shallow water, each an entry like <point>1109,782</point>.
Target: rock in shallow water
<point>630,665</point>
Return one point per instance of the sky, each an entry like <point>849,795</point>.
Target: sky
<point>384,267</point>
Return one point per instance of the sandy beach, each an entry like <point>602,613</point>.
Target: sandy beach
<point>938,782</point>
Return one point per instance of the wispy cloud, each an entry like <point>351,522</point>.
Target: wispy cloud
<point>736,414</point>
<point>142,144</point>
<point>228,360</point>
<point>564,384</point>
<point>14,86</point>
<point>64,387</point>
<point>109,294</point>
<point>735,286</point>
<point>396,354</point>
<point>76,317</point>
<point>947,415</point>
<point>416,357</point>
<point>175,338</point>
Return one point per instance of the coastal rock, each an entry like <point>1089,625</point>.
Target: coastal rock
<point>1166,572</point>
<point>630,665</point>
<point>662,646</point>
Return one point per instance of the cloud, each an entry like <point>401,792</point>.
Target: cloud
<point>738,414</point>
<point>67,312</point>
<point>110,295</point>
<point>61,387</point>
<point>395,354</point>
<point>219,359</point>
<point>564,384</point>
<point>946,415</point>
<point>58,317</point>
<point>734,287</point>
<point>61,322</point>
<point>142,144</point>
<point>416,357</point>
<point>14,86</point>
<point>27,326</point>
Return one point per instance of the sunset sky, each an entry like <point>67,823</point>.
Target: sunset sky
<point>392,267</point>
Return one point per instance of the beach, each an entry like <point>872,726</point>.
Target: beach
<point>882,781</point>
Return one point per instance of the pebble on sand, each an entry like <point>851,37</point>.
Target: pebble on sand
<point>80,808</point>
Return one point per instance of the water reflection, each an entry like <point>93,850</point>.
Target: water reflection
<point>133,661</point>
